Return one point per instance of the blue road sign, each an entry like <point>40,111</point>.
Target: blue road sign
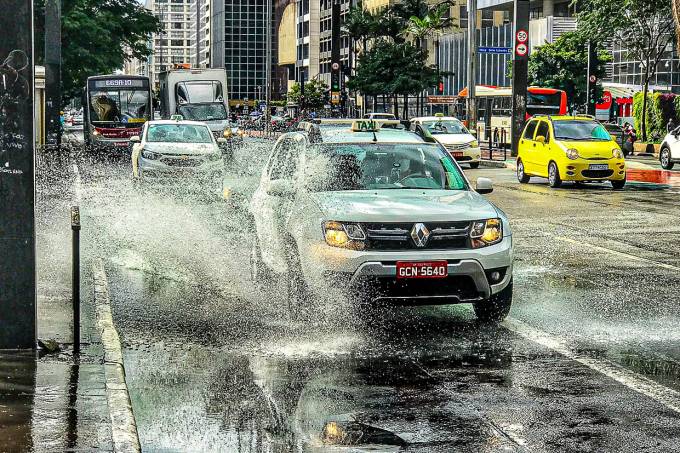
<point>494,50</point>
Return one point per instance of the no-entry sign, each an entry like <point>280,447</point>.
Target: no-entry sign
<point>521,49</point>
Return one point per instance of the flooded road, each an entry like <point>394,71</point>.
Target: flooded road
<point>589,359</point>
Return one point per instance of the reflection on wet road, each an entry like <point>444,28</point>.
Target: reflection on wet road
<point>214,365</point>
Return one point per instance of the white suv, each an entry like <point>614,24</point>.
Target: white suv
<point>669,154</point>
<point>453,135</point>
<point>383,214</point>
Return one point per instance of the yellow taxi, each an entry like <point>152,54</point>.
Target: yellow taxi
<point>569,148</point>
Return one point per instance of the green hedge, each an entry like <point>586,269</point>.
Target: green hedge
<point>660,108</point>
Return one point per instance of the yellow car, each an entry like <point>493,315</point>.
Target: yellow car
<point>569,148</point>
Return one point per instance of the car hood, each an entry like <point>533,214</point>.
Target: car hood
<point>404,205</point>
<point>590,150</point>
<point>453,139</point>
<point>181,148</point>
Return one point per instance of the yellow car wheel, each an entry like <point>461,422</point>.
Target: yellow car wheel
<point>554,179</point>
<point>522,177</point>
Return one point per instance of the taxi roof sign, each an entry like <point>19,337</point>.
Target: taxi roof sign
<point>365,126</point>
<point>176,118</point>
<point>439,115</point>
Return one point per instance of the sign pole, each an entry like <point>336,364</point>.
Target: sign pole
<point>53,71</point>
<point>472,66</point>
<point>17,179</point>
<point>335,53</point>
<point>520,67</point>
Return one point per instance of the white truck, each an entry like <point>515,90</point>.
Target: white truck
<point>197,95</point>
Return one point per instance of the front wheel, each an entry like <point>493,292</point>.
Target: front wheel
<point>260,275</point>
<point>522,177</point>
<point>474,165</point>
<point>554,179</point>
<point>497,307</point>
<point>298,293</point>
<point>618,184</point>
<point>665,159</point>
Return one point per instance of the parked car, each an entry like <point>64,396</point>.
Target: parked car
<point>669,153</point>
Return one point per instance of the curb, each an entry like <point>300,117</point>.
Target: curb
<point>123,425</point>
<point>493,163</point>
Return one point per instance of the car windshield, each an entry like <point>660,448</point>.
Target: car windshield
<point>445,127</point>
<point>580,130</point>
<point>179,133</point>
<point>203,112</point>
<point>369,166</point>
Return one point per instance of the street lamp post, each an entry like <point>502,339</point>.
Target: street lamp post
<point>472,66</point>
<point>268,75</point>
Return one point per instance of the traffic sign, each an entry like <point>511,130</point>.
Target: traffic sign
<point>593,79</point>
<point>502,50</point>
<point>335,66</point>
<point>522,36</point>
<point>521,49</point>
<point>335,97</point>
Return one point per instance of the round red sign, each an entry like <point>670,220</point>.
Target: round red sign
<point>522,36</point>
<point>521,49</point>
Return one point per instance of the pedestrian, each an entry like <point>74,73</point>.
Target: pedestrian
<point>631,138</point>
<point>670,127</point>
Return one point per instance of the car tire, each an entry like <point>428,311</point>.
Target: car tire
<point>497,307</point>
<point>297,291</point>
<point>474,165</point>
<point>618,184</point>
<point>260,274</point>
<point>522,177</point>
<point>665,158</point>
<point>554,179</point>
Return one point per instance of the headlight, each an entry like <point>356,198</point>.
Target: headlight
<point>151,155</point>
<point>95,133</point>
<point>241,133</point>
<point>214,156</point>
<point>474,144</point>
<point>346,235</point>
<point>486,232</point>
<point>572,154</point>
<point>617,153</point>
<point>227,133</point>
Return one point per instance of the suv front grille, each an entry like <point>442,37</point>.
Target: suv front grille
<point>457,147</point>
<point>397,236</point>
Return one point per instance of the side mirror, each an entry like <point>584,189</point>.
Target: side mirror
<point>221,141</point>
<point>484,186</point>
<point>281,188</point>
<point>135,139</point>
<point>540,139</point>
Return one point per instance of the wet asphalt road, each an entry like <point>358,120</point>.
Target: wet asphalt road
<point>589,359</point>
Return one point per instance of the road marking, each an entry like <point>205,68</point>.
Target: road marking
<point>634,381</point>
<point>617,253</point>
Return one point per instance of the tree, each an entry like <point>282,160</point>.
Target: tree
<point>315,94</point>
<point>645,27</point>
<point>97,37</point>
<point>563,64</point>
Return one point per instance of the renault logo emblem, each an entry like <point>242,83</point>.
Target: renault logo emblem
<point>420,234</point>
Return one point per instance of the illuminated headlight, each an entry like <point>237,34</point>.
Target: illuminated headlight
<point>227,133</point>
<point>617,153</point>
<point>241,133</point>
<point>96,133</point>
<point>150,155</point>
<point>474,144</point>
<point>486,232</point>
<point>572,154</point>
<point>345,235</point>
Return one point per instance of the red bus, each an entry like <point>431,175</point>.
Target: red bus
<point>115,108</point>
<point>494,106</point>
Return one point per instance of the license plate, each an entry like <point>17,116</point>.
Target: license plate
<point>598,167</point>
<point>120,144</point>
<point>422,269</point>
<point>457,154</point>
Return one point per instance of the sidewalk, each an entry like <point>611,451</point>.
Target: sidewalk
<point>56,402</point>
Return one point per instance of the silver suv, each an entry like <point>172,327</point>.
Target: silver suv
<point>383,214</point>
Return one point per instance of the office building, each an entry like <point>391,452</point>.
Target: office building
<point>199,18</point>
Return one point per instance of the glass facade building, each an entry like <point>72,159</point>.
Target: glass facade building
<point>239,45</point>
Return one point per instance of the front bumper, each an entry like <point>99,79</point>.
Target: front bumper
<point>579,170</point>
<point>158,168</point>
<point>375,272</point>
<point>467,155</point>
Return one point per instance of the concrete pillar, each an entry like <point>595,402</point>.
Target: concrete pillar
<point>548,8</point>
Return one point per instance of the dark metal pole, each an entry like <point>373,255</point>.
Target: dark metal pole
<point>75,228</point>
<point>17,160</point>
<point>335,53</point>
<point>53,101</point>
<point>520,67</point>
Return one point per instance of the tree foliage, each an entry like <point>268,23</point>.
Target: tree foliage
<point>97,37</point>
<point>645,26</point>
<point>563,64</point>
<point>315,91</point>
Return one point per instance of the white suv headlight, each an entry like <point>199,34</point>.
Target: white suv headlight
<point>151,155</point>
<point>473,144</point>
<point>617,153</point>
<point>486,232</point>
<point>345,235</point>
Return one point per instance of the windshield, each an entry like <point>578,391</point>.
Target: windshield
<point>203,112</point>
<point>580,130</point>
<point>197,92</point>
<point>363,166</point>
<point>445,127</point>
<point>123,106</point>
<point>543,103</point>
<point>178,133</point>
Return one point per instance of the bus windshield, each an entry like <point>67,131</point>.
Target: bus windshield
<point>543,103</point>
<point>119,105</point>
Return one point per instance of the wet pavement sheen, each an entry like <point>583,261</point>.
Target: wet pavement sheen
<point>213,364</point>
